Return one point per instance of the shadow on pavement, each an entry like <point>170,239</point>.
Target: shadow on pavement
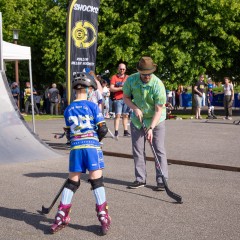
<point>41,222</point>
<point>84,178</point>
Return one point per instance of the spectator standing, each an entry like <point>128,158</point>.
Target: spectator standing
<point>145,94</point>
<point>27,98</point>
<point>46,102</point>
<point>198,95</point>
<point>177,98</point>
<point>53,99</point>
<point>38,99</point>
<point>106,94</point>
<point>15,92</point>
<point>228,98</point>
<point>121,109</point>
<point>170,96</point>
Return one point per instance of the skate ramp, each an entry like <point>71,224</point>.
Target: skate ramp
<point>17,141</point>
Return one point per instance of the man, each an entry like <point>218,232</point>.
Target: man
<point>120,107</point>
<point>198,95</point>
<point>145,94</point>
<point>53,99</point>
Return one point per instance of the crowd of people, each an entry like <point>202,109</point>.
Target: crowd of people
<point>109,97</point>
<point>50,101</point>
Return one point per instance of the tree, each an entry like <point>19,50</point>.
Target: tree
<point>185,38</point>
<point>42,27</point>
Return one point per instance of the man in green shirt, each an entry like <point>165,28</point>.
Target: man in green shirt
<point>145,94</point>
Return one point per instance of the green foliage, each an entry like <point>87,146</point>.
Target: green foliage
<point>185,38</point>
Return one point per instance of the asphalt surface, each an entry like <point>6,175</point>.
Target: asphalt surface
<point>210,209</point>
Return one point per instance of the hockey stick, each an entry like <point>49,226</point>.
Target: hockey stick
<point>110,133</point>
<point>58,136</point>
<point>236,122</point>
<point>171,194</point>
<point>47,210</point>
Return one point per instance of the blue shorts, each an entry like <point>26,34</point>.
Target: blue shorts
<point>120,107</point>
<point>86,158</point>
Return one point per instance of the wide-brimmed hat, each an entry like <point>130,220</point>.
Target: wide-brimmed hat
<point>146,65</point>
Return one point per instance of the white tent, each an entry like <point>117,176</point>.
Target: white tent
<point>13,52</point>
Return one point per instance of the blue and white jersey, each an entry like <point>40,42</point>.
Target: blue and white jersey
<point>82,117</point>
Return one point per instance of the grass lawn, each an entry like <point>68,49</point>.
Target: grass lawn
<point>182,115</point>
<point>28,118</point>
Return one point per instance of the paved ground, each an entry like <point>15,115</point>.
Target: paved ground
<point>210,208</point>
<point>193,142</point>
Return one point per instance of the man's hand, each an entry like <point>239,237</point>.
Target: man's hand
<point>149,135</point>
<point>138,114</point>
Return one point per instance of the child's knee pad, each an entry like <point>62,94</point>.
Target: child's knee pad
<point>96,183</point>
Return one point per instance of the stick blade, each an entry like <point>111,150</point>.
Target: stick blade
<point>174,196</point>
<point>171,194</point>
<point>45,210</point>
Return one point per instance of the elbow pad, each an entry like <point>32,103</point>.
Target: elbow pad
<point>102,131</point>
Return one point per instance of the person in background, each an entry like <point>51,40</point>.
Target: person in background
<point>99,86</point>
<point>228,98</point>
<point>38,99</point>
<point>210,102</point>
<point>53,96</point>
<point>106,94</point>
<point>27,98</point>
<point>120,107</point>
<point>15,92</point>
<point>177,98</point>
<point>198,95</point>
<point>170,96</point>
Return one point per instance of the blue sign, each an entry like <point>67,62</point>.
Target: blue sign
<point>186,99</point>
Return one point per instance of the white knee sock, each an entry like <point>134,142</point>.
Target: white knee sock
<point>100,195</point>
<point>67,195</point>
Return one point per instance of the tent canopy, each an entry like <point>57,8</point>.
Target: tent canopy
<point>13,52</point>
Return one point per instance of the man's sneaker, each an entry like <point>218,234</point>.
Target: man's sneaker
<point>137,184</point>
<point>159,187</point>
<point>127,134</point>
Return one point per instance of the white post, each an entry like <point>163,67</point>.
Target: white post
<point>1,56</point>
<point>32,101</point>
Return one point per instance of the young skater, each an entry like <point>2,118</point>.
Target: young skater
<point>85,128</point>
<point>210,102</point>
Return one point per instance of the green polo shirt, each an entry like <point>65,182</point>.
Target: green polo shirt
<point>145,97</point>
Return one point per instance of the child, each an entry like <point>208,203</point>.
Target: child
<point>209,102</point>
<point>106,94</point>
<point>85,127</point>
